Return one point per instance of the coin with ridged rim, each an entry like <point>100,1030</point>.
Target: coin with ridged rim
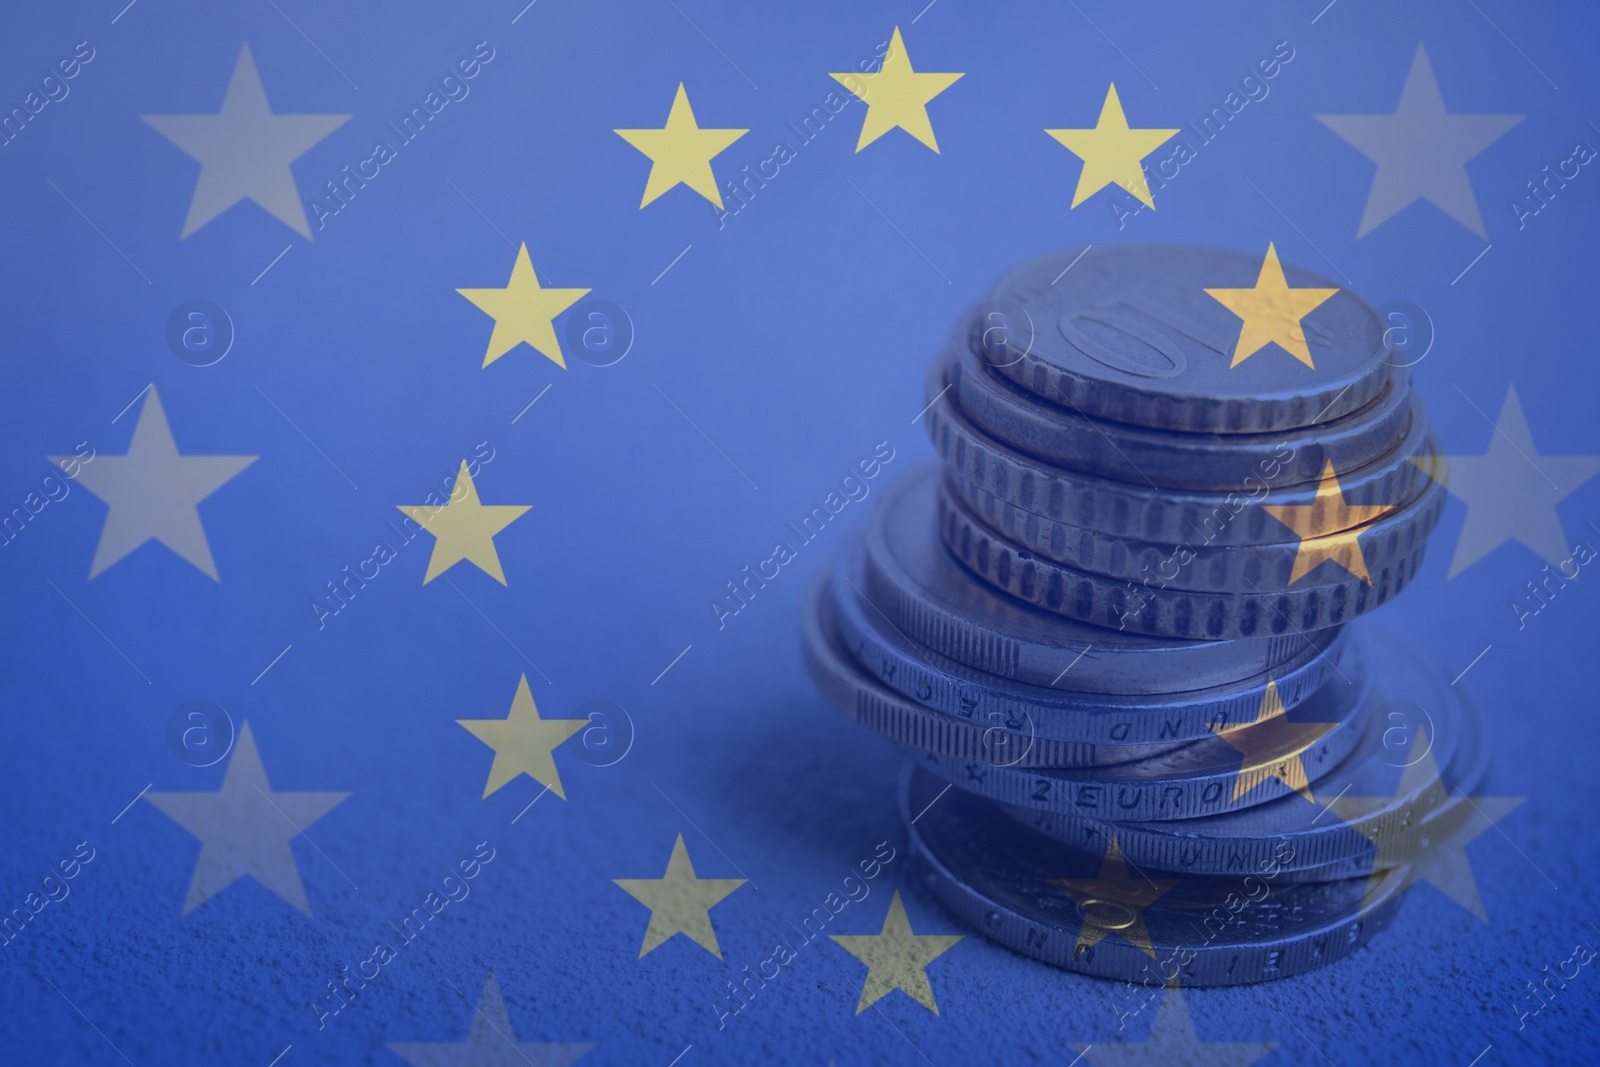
<point>937,602</point>
<point>1168,612</point>
<point>1168,458</point>
<point>1006,882</point>
<point>1129,333</point>
<point>1198,567</point>
<point>1117,727</point>
<point>848,687</point>
<point>1251,766</point>
<point>1235,842</point>
<point>1175,516</point>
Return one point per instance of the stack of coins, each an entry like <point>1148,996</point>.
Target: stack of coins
<point>1110,625</point>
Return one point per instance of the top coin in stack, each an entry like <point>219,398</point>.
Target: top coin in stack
<point>1173,458</point>
<point>1131,334</point>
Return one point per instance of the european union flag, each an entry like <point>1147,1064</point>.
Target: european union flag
<point>456,454</point>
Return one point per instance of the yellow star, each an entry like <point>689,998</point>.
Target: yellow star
<point>522,311</point>
<point>1328,512</point>
<point>523,743</point>
<point>1111,152</point>
<point>681,152</point>
<point>680,902</point>
<point>464,529</point>
<point>896,958</point>
<point>1272,746</point>
<point>1271,312</point>
<point>1173,1040</point>
<point>896,95</point>
<point>1113,903</point>
<point>1431,850</point>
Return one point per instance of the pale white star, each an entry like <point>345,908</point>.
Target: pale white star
<point>245,828</point>
<point>1173,1041</point>
<point>491,1042</point>
<point>1421,151</point>
<point>1511,492</point>
<point>245,151</point>
<point>153,492</point>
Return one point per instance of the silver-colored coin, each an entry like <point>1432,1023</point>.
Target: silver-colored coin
<point>848,687</point>
<point>1199,568</point>
<point>1168,458</point>
<point>1061,905</point>
<point>1445,732</point>
<point>1118,722</point>
<point>1129,333</point>
<point>936,602</point>
<point>1137,510</point>
<point>1169,612</point>
<point>1250,766</point>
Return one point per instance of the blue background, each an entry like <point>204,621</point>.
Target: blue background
<point>795,337</point>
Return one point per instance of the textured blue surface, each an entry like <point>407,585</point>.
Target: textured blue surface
<point>795,336</point>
